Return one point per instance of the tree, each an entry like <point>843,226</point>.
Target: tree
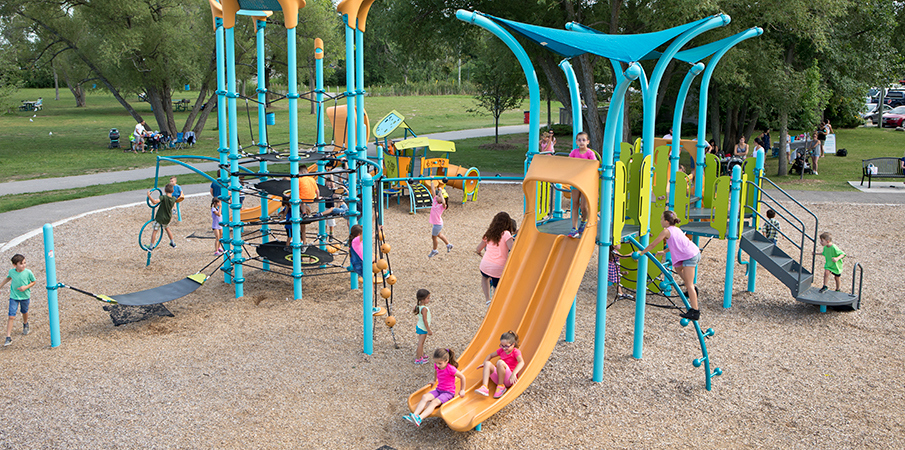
<point>500,85</point>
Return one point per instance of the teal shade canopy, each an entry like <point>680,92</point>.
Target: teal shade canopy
<point>620,47</point>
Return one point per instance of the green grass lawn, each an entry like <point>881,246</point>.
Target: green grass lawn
<point>63,140</point>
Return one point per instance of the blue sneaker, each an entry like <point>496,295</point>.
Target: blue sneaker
<point>581,226</point>
<point>416,419</point>
<point>574,233</point>
<point>408,417</point>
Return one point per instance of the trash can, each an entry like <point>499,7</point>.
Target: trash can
<point>271,118</point>
<point>527,116</point>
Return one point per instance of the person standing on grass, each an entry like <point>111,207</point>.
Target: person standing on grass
<point>21,281</point>
<point>579,202</point>
<point>139,134</point>
<point>164,213</point>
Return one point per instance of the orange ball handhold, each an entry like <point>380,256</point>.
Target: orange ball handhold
<point>380,236</point>
<point>375,268</point>
<point>385,248</point>
<point>332,249</point>
<point>391,280</point>
<point>382,264</point>
<point>386,292</point>
<point>390,321</point>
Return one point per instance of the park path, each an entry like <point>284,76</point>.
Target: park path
<point>18,225</point>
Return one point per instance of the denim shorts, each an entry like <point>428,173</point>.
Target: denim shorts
<point>435,231</point>
<point>21,305</point>
<point>690,262</point>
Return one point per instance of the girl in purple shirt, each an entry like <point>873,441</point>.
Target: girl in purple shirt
<point>447,370</point>
<point>685,256</point>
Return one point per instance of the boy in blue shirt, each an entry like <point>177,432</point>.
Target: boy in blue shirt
<point>21,281</point>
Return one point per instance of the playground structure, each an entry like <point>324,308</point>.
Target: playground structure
<point>538,299</point>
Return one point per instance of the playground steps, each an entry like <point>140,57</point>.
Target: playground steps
<point>420,196</point>
<point>813,296</point>
<point>777,262</point>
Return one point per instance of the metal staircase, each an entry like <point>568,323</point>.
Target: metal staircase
<point>788,269</point>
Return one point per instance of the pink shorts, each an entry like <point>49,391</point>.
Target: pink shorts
<point>495,379</point>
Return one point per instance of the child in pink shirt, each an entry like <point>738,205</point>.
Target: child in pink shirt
<point>447,370</point>
<point>440,204</point>
<point>685,256</point>
<point>505,373</point>
<point>579,202</point>
<point>496,244</point>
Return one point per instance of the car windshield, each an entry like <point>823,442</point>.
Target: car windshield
<point>897,110</point>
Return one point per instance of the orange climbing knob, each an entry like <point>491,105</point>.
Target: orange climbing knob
<point>382,264</point>
<point>385,248</point>
<point>391,280</point>
<point>386,292</point>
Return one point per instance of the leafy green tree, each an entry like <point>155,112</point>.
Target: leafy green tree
<point>500,84</point>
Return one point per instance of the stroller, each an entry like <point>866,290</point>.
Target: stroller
<point>800,166</point>
<point>114,138</point>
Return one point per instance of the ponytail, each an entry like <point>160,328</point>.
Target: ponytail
<point>510,336</point>
<point>354,232</point>
<point>670,217</point>
<point>441,353</point>
<point>420,296</point>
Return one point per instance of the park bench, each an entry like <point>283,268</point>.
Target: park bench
<point>880,168</point>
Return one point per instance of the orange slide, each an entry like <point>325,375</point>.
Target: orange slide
<point>253,213</point>
<point>536,291</point>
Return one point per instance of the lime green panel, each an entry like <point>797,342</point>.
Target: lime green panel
<point>619,201</point>
<point>711,173</point>
<point>680,206</point>
<point>719,213</point>
<point>625,152</point>
<point>656,213</point>
<point>637,146</point>
<point>661,173</point>
<point>751,196</point>
<point>643,193</point>
<point>742,195</point>
<point>390,166</point>
<point>542,206</point>
<point>633,186</point>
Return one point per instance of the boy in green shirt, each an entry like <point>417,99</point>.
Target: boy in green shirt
<point>21,281</point>
<point>164,213</point>
<point>833,256</point>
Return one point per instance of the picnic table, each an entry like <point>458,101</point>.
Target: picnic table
<point>28,105</point>
<point>181,105</point>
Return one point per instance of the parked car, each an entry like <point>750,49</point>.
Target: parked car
<point>894,98</point>
<point>895,117</point>
<point>873,116</point>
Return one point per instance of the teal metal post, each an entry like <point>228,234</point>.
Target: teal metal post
<point>293,96</point>
<point>351,135</point>
<point>702,106</point>
<point>50,268</point>
<point>577,125</point>
<point>319,105</point>
<point>650,97</point>
<point>677,130</point>
<point>223,147</point>
<point>530,75</point>
<point>235,224</point>
<point>755,219</point>
<point>604,229</point>
<point>367,256</point>
<point>732,234</point>
<point>262,130</point>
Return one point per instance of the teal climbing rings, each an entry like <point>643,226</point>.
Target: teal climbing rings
<point>153,245</point>
<point>148,200</point>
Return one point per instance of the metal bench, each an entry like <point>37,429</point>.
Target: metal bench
<point>880,168</point>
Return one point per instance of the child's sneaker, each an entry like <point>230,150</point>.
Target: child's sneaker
<point>408,417</point>
<point>9,340</point>
<point>421,360</point>
<point>483,391</point>
<point>574,233</point>
<point>500,390</point>
<point>691,314</point>
<point>581,226</point>
<point>172,244</point>
<point>823,289</point>
<point>416,419</point>
<point>25,329</point>
<point>448,248</point>
<point>433,253</point>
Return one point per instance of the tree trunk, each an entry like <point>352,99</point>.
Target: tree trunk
<point>555,79</point>
<point>162,105</point>
<point>205,113</point>
<point>749,128</point>
<point>56,80</point>
<point>585,75</point>
<point>75,87</point>
<point>783,143</point>
<point>714,115</point>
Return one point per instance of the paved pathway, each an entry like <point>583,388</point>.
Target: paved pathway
<point>19,224</point>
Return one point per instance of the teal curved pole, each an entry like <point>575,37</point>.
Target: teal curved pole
<point>677,130</point>
<point>234,223</point>
<point>319,105</point>
<point>367,256</point>
<point>351,135</point>
<point>223,144</point>
<point>50,273</point>
<point>604,228</point>
<point>577,124</point>
<point>293,96</point>
<point>530,75</point>
<point>649,98</point>
<point>755,219</point>
<point>732,234</point>
<point>262,130</point>
<point>702,106</point>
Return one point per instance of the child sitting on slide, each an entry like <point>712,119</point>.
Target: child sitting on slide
<point>507,368</point>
